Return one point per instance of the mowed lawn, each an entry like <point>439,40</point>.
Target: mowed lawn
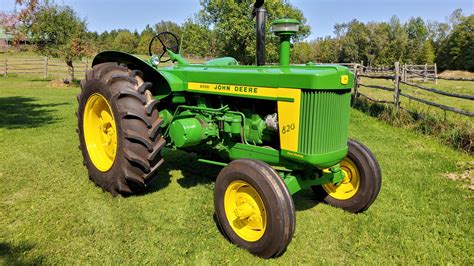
<point>51,213</point>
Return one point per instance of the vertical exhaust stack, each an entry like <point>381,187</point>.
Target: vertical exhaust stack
<point>260,14</point>
<point>285,28</point>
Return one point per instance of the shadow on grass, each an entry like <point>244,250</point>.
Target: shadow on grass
<point>15,255</point>
<point>25,112</point>
<point>196,173</point>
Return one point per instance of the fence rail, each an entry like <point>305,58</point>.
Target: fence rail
<point>42,66</point>
<point>400,76</point>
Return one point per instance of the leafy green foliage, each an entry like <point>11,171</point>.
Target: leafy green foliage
<point>457,50</point>
<point>198,40</point>
<point>225,28</point>
<point>235,30</point>
<point>145,37</point>
<point>125,41</point>
<point>58,32</point>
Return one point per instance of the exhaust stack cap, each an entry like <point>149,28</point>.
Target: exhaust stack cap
<point>285,26</point>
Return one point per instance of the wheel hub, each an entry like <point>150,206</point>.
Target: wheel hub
<point>100,132</point>
<point>245,211</point>
<point>349,185</point>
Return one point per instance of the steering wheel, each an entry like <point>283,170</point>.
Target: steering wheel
<point>168,41</point>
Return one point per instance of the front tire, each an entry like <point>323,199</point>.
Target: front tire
<point>254,208</point>
<point>119,129</point>
<point>361,184</point>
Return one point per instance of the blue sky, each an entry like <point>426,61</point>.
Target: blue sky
<point>104,15</point>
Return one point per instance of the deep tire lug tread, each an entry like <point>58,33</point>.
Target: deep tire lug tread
<point>135,73</point>
<point>151,106</point>
<point>137,138</point>
<point>130,177</point>
<point>157,150</point>
<point>155,129</point>
<point>154,169</point>
<point>145,86</point>
<point>116,78</point>
<point>131,93</point>
<point>130,115</point>
<point>133,158</point>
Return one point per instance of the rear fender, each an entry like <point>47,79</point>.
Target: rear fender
<point>163,85</point>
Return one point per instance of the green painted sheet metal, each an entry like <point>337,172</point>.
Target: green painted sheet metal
<point>324,121</point>
<point>293,76</point>
<point>305,77</point>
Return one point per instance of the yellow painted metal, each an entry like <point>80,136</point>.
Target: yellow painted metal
<point>245,211</point>
<point>100,132</point>
<point>350,184</point>
<point>345,79</point>
<point>289,119</point>
<point>235,90</point>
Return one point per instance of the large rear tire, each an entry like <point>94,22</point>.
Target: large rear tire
<point>361,184</point>
<point>119,129</point>
<point>253,207</point>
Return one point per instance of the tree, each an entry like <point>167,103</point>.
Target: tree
<point>323,50</point>
<point>456,50</point>
<point>58,32</point>
<point>417,35</point>
<point>235,31</point>
<point>355,43</point>
<point>124,41</point>
<point>168,26</point>
<point>427,54</point>
<point>15,23</point>
<point>145,37</point>
<point>302,52</point>
<point>437,32</point>
<point>198,40</point>
<point>398,41</point>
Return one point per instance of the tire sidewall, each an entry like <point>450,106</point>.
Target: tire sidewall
<point>108,178</point>
<point>369,174</point>
<point>270,243</point>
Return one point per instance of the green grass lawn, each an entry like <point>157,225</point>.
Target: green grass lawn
<point>51,213</point>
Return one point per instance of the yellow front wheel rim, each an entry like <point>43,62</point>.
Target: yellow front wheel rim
<point>350,184</point>
<point>245,211</point>
<point>100,132</point>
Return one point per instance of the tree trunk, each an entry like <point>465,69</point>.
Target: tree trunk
<point>71,69</point>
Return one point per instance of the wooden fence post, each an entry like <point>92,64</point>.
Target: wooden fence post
<point>405,72</point>
<point>356,84</point>
<point>5,71</point>
<point>402,77</point>
<point>425,73</point>
<point>45,67</point>
<point>396,96</point>
<point>435,73</point>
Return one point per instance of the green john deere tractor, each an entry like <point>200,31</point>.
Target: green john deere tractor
<point>275,130</point>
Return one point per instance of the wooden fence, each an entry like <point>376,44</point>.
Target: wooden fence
<point>398,77</point>
<point>42,66</point>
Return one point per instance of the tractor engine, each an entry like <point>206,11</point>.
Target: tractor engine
<point>192,127</point>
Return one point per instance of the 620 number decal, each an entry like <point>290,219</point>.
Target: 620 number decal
<point>288,128</point>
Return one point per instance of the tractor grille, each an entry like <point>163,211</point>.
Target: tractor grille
<point>324,121</point>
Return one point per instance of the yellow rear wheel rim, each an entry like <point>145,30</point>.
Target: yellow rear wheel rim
<point>350,184</point>
<point>245,211</point>
<point>100,132</point>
